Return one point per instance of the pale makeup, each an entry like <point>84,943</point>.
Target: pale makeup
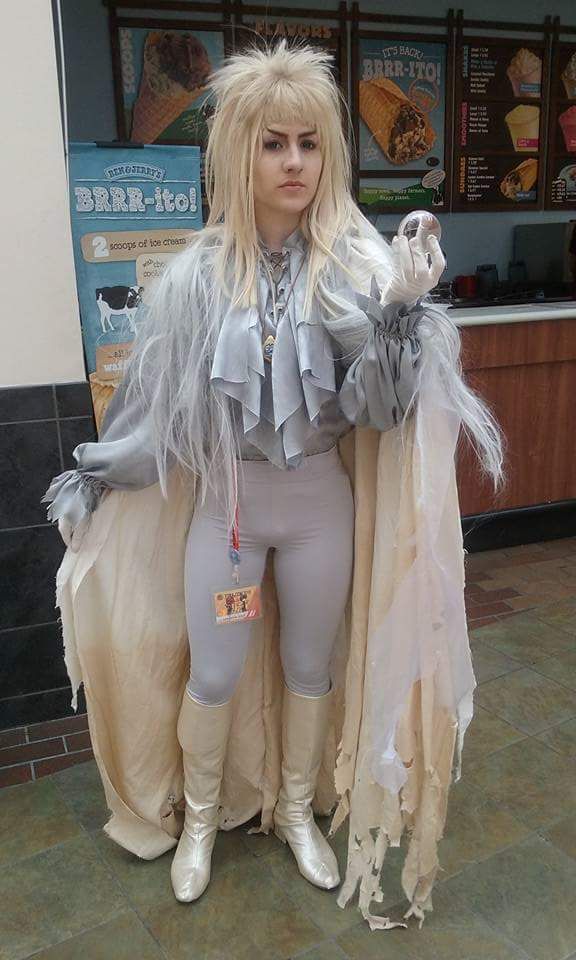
<point>289,153</point>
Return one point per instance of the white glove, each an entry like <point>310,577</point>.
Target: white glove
<point>417,266</point>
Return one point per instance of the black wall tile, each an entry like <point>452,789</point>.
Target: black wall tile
<point>27,403</point>
<point>32,660</point>
<point>35,707</point>
<point>73,400</point>
<point>29,560</point>
<point>30,458</point>
<point>74,432</point>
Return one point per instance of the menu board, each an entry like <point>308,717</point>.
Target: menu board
<point>498,124</point>
<point>400,99</point>
<point>561,173</point>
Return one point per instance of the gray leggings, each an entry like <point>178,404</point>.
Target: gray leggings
<point>307,515</point>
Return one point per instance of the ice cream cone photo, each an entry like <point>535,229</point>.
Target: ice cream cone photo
<point>175,69</point>
<point>102,392</point>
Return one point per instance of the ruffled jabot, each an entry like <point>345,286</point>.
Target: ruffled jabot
<point>302,368</point>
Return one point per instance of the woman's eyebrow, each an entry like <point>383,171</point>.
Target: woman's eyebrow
<point>279,133</point>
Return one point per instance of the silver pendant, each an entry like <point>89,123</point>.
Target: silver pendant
<point>268,347</point>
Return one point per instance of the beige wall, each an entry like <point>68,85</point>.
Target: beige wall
<point>39,321</point>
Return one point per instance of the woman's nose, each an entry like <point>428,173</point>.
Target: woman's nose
<point>293,158</point>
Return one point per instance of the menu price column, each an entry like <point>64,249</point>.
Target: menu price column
<point>498,124</point>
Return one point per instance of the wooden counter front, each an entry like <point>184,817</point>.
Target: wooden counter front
<point>526,373</point>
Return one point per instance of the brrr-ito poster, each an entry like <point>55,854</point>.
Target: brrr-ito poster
<point>402,109</point>
<point>132,210</point>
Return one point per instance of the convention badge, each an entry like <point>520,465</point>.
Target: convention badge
<point>237,604</point>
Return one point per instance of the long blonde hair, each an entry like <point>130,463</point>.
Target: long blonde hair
<point>256,89</point>
<point>172,353</point>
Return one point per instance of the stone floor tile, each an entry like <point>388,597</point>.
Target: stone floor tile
<point>144,881</point>
<point>561,615</point>
<point>124,938</point>
<point>561,738</point>
<point>279,934</point>
<point>320,905</point>
<point>561,668</point>
<point>476,828</point>
<point>326,951</point>
<point>259,844</point>
<point>451,931</point>
<point>256,912</point>
<point>563,835</point>
<point>535,784</point>
<point>527,700</point>
<point>525,638</point>
<point>148,881</point>
<point>489,663</point>
<point>53,896</point>
<point>523,892</point>
<point>83,793</point>
<point>33,817</point>
<point>486,734</point>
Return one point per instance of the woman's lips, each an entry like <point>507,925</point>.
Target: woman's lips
<point>292,186</point>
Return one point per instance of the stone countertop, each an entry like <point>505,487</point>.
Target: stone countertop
<point>512,313</point>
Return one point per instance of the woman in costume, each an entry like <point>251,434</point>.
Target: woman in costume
<point>288,321</point>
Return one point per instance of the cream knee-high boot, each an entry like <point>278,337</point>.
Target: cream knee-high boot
<point>304,727</point>
<point>203,735</point>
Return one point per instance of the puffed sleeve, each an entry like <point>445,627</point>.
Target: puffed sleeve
<point>380,383</point>
<point>123,459</point>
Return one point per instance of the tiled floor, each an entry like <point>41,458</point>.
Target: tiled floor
<point>507,890</point>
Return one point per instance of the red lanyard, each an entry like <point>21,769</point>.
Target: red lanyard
<point>234,549</point>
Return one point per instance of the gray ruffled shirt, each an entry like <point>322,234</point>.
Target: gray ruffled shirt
<point>297,404</point>
<point>281,398</point>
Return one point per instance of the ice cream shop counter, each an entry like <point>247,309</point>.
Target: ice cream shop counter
<point>513,313</point>
<point>522,360</point>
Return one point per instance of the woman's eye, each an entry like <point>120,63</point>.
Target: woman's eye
<point>271,144</point>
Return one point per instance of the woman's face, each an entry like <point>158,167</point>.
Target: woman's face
<point>290,154</point>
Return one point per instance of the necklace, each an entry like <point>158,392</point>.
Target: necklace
<point>279,261</point>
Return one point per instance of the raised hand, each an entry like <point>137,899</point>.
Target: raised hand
<point>417,266</point>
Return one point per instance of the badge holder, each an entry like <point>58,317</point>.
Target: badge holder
<point>237,604</point>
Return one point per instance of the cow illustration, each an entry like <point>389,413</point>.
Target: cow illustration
<point>117,300</point>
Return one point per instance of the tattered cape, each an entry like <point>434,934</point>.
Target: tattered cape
<point>401,668</point>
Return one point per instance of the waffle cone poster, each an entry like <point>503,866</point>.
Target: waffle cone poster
<point>164,77</point>
<point>402,109</point>
<point>132,210</point>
